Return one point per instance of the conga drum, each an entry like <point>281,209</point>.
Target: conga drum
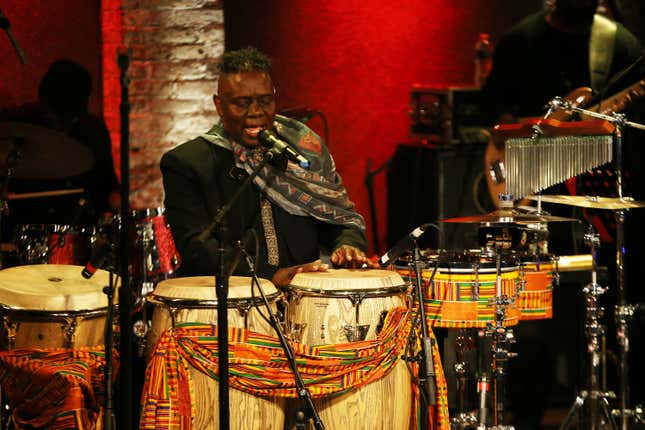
<point>193,299</point>
<point>537,276</point>
<point>462,290</point>
<point>340,306</point>
<point>52,306</point>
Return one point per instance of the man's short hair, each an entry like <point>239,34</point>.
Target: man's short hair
<point>248,59</point>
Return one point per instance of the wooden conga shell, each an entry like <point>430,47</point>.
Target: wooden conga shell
<point>52,306</point>
<point>321,304</point>
<point>193,299</point>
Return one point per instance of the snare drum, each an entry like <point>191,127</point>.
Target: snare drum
<point>463,288</point>
<point>342,306</point>
<point>52,306</point>
<point>194,299</point>
<point>53,244</point>
<point>536,296</point>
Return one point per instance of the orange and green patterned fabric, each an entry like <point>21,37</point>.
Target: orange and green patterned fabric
<point>54,389</point>
<point>257,365</point>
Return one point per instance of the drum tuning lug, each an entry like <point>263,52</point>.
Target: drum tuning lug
<point>357,332</point>
<point>297,331</point>
<point>140,329</point>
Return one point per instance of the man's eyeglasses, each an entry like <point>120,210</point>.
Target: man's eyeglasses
<point>245,103</point>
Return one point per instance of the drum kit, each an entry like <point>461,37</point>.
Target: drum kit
<point>52,291</point>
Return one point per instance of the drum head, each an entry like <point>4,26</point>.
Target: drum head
<point>347,280</point>
<point>203,288</point>
<point>52,287</point>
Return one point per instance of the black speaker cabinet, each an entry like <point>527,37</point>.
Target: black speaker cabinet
<point>428,184</point>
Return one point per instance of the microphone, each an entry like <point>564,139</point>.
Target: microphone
<point>6,26</point>
<point>100,252</point>
<point>403,245</point>
<point>279,146</point>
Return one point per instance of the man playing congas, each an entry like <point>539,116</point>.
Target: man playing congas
<point>294,210</point>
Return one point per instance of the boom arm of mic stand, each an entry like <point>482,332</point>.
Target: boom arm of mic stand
<point>301,388</point>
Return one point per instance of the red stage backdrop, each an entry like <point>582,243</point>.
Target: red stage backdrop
<point>49,31</point>
<point>356,60</point>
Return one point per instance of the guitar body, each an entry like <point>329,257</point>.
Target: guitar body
<point>494,155</point>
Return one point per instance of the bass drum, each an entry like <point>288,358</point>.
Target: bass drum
<point>53,244</point>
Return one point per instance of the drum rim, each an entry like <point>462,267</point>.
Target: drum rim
<point>367,292</point>
<point>193,303</point>
<point>44,315</point>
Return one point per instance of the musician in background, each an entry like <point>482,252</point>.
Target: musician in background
<point>294,211</point>
<point>62,106</point>
<point>544,56</point>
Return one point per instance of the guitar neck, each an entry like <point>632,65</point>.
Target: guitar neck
<point>620,101</point>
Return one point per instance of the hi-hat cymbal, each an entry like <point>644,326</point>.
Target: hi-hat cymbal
<point>592,202</point>
<point>506,216</point>
<point>44,153</point>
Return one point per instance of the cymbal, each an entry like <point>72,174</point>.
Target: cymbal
<point>506,216</point>
<point>592,202</point>
<point>44,153</point>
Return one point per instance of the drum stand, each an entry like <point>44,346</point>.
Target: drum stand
<point>309,412</point>
<point>462,419</point>
<point>502,338</point>
<point>595,332</point>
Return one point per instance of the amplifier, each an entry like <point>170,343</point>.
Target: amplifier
<point>447,114</point>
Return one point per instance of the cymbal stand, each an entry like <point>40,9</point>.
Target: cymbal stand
<point>595,332</point>
<point>623,310</point>
<point>502,338</point>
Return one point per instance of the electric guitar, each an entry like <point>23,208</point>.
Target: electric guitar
<point>494,155</point>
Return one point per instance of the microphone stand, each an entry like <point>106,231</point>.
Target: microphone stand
<point>216,228</point>
<point>310,412</point>
<point>426,380</point>
<point>109,419</point>
<point>125,292</point>
<point>6,26</point>
<point>623,311</point>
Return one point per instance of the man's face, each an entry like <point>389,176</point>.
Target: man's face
<point>245,102</point>
<point>578,10</point>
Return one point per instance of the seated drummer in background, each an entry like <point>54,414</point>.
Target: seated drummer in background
<point>294,211</point>
<point>62,106</point>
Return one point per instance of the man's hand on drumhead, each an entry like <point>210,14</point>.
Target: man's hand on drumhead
<point>352,257</point>
<point>283,276</point>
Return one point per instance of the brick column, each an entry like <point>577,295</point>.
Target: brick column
<point>175,48</point>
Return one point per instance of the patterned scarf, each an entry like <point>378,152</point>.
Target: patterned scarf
<point>317,191</point>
